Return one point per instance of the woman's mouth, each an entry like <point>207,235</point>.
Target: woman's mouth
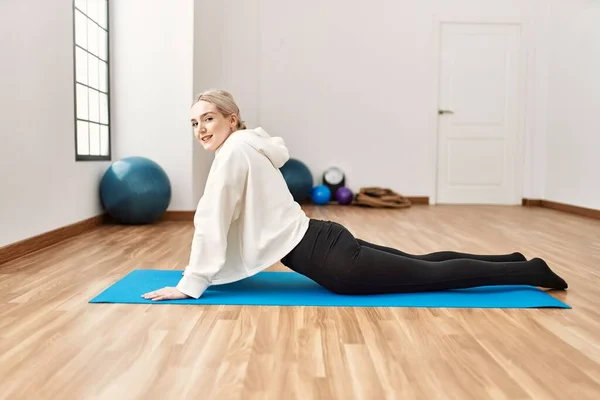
<point>206,138</point>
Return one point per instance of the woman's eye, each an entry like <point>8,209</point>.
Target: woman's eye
<point>208,119</point>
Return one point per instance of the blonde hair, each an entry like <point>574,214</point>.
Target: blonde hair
<point>225,104</point>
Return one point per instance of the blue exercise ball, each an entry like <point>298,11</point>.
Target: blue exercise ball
<point>321,194</point>
<point>298,178</point>
<point>135,190</point>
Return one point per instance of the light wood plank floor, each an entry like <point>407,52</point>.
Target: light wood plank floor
<point>54,345</point>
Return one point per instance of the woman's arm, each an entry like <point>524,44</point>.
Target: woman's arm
<point>224,188</point>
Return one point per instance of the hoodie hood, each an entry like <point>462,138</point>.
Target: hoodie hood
<point>273,147</point>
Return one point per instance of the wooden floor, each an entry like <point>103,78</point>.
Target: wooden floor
<point>54,345</point>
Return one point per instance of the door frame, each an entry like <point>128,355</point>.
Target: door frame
<point>525,100</point>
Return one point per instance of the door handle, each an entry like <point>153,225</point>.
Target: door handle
<point>440,112</point>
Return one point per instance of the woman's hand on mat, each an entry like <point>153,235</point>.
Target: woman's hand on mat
<point>166,293</point>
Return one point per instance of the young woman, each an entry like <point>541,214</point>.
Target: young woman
<point>247,220</point>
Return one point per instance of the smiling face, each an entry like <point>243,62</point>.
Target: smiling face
<point>211,127</point>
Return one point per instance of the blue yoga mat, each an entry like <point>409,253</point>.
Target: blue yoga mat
<point>292,289</point>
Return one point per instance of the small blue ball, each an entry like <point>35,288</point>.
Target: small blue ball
<point>321,194</point>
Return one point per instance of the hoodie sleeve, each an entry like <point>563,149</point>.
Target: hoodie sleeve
<point>214,214</point>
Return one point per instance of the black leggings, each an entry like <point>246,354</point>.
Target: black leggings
<point>331,256</point>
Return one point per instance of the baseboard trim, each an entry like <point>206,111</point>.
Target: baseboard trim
<point>532,202</point>
<point>178,216</point>
<point>418,200</point>
<point>39,242</point>
<point>27,246</point>
<point>414,200</point>
<point>567,208</point>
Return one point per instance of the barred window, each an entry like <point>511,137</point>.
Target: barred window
<point>92,89</point>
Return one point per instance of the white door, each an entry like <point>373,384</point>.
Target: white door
<point>479,123</point>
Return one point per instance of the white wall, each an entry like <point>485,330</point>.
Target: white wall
<point>330,77</point>
<point>152,88</point>
<point>334,78</point>
<point>226,44</point>
<point>573,138</point>
<point>41,186</point>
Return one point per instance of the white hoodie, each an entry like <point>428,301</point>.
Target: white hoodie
<point>247,219</point>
